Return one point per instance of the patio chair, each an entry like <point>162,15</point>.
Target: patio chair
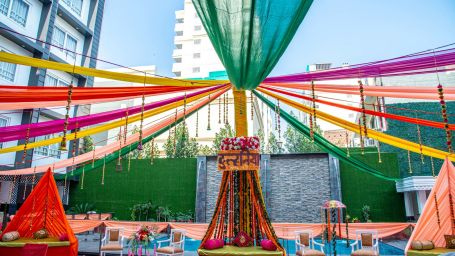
<point>112,241</point>
<point>366,243</point>
<point>34,250</point>
<point>176,244</point>
<point>304,244</point>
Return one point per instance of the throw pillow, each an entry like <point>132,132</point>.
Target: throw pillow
<point>63,237</point>
<point>41,234</point>
<point>10,236</point>
<point>450,241</point>
<point>213,244</point>
<point>268,245</point>
<point>243,240</point>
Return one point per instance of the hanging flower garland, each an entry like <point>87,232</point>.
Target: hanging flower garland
<point>279,120</point>
<point>152,151</point>
<point>197,123</point>
<point>240,143</point>
<point>104,168</point>
<point>83,176</point>
<point>252,107</point>
<point>347,143</point>
<point>409,162</point>
<point>445,118</point>
<point>420,144</point>
<point>432,166</point>
<point>362,103</point>
<point>219,111</point>
<point>379,152</point>
<point>208,116</point>
<point>362,143</point>
<point>27,138</point>
<point>67,116</point>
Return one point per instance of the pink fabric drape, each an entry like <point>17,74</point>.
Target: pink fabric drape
<point>427,228</point>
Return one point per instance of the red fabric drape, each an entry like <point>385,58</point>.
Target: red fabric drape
<point>43,209</point>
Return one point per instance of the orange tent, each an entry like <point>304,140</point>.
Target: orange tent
<point>437,217</point>
<point>43,209</point>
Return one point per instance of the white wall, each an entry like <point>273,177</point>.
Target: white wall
<point>32,23</point>
<point>22,72</point>
<point>59,22</point>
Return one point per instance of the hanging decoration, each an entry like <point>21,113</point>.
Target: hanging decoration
<point>279,120</point>
<point>67,116</point>
<point>445,118</point>
<point>175,132</point>
<point>252,106</point>
<point>118,166</point>
<point>184,109</point>
<point>208,116</point>
<point>139,146</point>
<point>420,144</point>
<point>313,96</point>
<point>24,154</point>
<point>379,151</point>
<point>437,209</point>
<point>362,103</point>
<point>104,169</point>
<point>197,123</point>
<point>362,142</point>
<point>93,158</point>
<point>152,151</point>
<point>74,147</point>
<point>409,162</point>
<point>347,143</point>
<point>125,130</point>
<point>224,109</point>
<point>219,110</point>
<point>83,177</point>
<point>432,166</point>
<point>129,159</point>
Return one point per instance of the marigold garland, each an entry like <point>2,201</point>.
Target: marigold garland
<point>67,116</point>
<point>362,103</point>
<point>83,176</point>
<point>432,166</point>
<point>252,107</point>
<point>445,118</point>
<point>347,143</point>
<point>362,142</point>
<point>208,115</point>
<point>219,110</point>
<point>409,162</point>
<point>24,154</point>
<point>420,144</point>
<point>104,168</point>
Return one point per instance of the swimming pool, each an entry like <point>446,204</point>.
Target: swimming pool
<point>289,246</point>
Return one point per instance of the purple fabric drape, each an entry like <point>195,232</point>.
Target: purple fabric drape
<point>18,132</point>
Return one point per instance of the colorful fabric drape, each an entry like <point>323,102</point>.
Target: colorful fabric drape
<point>379,136</point>
<point>18,132</point>
<point>409,92</point>
<point>105,127</point>
<point>24,97</point>
<point>250,36</point>
<point>148,134</point>
<point>367,111</point>
<point>43,209</point>
<point>414,64</point>
<point>325,144</point>
<point>436,220</point>
<point>39,63</point>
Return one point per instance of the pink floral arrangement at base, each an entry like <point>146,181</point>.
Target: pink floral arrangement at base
<point>140,240</point>
<point>240,143</point>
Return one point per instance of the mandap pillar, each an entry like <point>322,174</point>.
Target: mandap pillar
<point>240,110</point>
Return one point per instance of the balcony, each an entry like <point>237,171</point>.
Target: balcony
<point>177,53</point>
<point>177,67</point>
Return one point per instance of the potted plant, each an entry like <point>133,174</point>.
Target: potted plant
<point>366,213</point>
<point>355,220</point>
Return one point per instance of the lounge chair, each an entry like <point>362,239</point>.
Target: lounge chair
<point>366,243</point>
<point>304,244</point>
<point>112,241</point>
<point>176,244</point>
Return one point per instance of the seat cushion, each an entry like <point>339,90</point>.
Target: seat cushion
<point>450,241</point>
<point>305,239</point>
<point>367,239</point>
<point>177,237</point>
<point>169,250</point>
<point>310,252</point>
<point>111,247</point>
<point>113,235</point>
<point>363,252</point>
<point>243,240</point>
<point>10,236</point>
<point>422,245</point>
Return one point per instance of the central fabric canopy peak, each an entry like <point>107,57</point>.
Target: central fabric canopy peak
<point>250,36</point>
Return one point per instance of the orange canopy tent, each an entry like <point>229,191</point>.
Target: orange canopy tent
<point>43,209</point>
<point>437,217</point>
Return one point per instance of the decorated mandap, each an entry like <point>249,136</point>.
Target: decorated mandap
<point>249,37</point>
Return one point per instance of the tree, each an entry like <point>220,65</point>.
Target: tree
<point>225,132</point>
<point>87,145</point>
<point>184,145</point>
<point>273,146</point>
<point>205,150</point>
<point>296,142</point>
<point>146,151</point>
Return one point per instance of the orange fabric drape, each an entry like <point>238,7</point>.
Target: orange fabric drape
<point>43,209</point>
<point>428,228</point>
<point>193,230</point>
<point>80,226</point>
<point>129,227</point>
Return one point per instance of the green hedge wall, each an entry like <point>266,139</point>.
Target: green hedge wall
<point>359,189</point>
<point>432,137</point>
<point>168,182</point>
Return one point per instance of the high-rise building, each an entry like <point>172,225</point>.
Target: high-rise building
<point>49,30</point>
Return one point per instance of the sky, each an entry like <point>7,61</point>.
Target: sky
<point>334,31</point>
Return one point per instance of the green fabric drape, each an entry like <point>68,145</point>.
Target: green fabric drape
<point>250,36</point>
<point>323,143</point>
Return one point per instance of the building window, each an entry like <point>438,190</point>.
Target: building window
<point>17,10</point>
<point>51,80</point>
<point>178,74</point>
<point>49,150</point>
<point>197,41</point>
<point>179,33</point>
<point>196,69</point>
<point>74,5</point>
<point>3,123</point>
<point>71,44</point>
<point>196,55</point>
<point>179,20</point>
<point>197,28</point>
<point>178,60</point>
<point>64,41</point>
<point>178,46</point>
<point>7,71</point>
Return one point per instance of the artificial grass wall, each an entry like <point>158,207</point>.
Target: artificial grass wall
<point>359,189</point>
<point>168,182</point>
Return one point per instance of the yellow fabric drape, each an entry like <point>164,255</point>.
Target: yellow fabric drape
<point>108,126</point>
<point>241,121</point>
<point>382,137</point>
<point>39,63</point>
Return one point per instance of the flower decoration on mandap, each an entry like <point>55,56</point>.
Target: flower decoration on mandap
<point>240,143</point>
<point>141,239</point>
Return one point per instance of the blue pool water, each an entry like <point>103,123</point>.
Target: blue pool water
<point>289,245</point>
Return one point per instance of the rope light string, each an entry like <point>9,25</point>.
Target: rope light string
<point>313,95</point>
